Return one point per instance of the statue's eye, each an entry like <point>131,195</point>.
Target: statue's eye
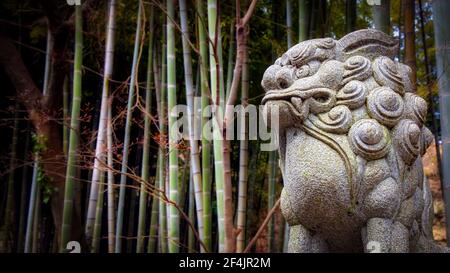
<point>307,70</point>
<point>284,77</point>
<point>302,71</point>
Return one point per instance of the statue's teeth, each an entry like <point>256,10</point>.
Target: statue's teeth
<point>297,102</point>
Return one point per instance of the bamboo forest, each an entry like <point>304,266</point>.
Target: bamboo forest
<point>138,126</point>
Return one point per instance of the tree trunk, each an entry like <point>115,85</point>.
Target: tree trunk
<point>408,8</point>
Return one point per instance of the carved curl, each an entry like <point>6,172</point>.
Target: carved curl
<point>407,135</point>
<point>385,106</point>
<point>386,74</point>
<point>338,120</point>
<point>415,108</point>
<point>353,95</point>
<point>357,68</point>
<point>369,139</point>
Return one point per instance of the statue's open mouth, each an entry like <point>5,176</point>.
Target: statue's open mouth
<point>300,102</point>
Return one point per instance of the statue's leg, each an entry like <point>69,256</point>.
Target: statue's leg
<point>301,240</point>
<point>385,235</point>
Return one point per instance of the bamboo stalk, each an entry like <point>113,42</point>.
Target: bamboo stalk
<point>430,93</point>
<point>441,21</point>
<point>194,149</point>
<point>31,207</point>
<point>23,196</point>
<point>152,240</point>
<point>126,142</point>
<point>381,16</point>
<point>289,22</point>
<point>110,188</point>
<point>191,208</point>
<point>230,60</point>
<point>303,20</point>
<point>271,174</point>
<point>163,131</point>
<point>174,222</point>
<point>243,159</point>
<point>36,222</point>
<point>154,222</point>
<point>350,15</point>
<point>214,61</point>
<point>206,143</point>
<point>146,145</point>
<point>73,136</point>
<point>65,114</point>
<point>98,216</point>
<point>101,145</point>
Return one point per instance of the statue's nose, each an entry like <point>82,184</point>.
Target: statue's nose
<point>278,78</point>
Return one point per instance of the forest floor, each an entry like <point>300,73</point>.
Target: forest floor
<point>430,167</point>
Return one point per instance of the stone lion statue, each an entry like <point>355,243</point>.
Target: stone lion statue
<point>351,133</point>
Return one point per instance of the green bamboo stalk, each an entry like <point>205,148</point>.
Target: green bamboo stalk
<point>97,233</point>
<point>289,22</point>
<point>183,181</point>
<point>126,142</point>
<point>381,16</point>
<point>152,240</point>
<point>206,143</point>
<point>272,175</point>
<point>230,59</point>
<point>194,151</point>
<point>65,114</point>
<point>154,229</point>
<point>73,136</point>
<point>131,218</point>
<point>174,223</point>
<point>350,15</point>
<point>101,145</point>
<point>110,189</point>
<point>146,146</point>
<point>441,21</point>
<point>214,62</point>
<point>163,132</point>
<point>191,214</point>
<point>243,159</point>
<point>303,19</point>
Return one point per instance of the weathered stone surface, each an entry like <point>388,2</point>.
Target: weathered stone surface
<point>351,137</point>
